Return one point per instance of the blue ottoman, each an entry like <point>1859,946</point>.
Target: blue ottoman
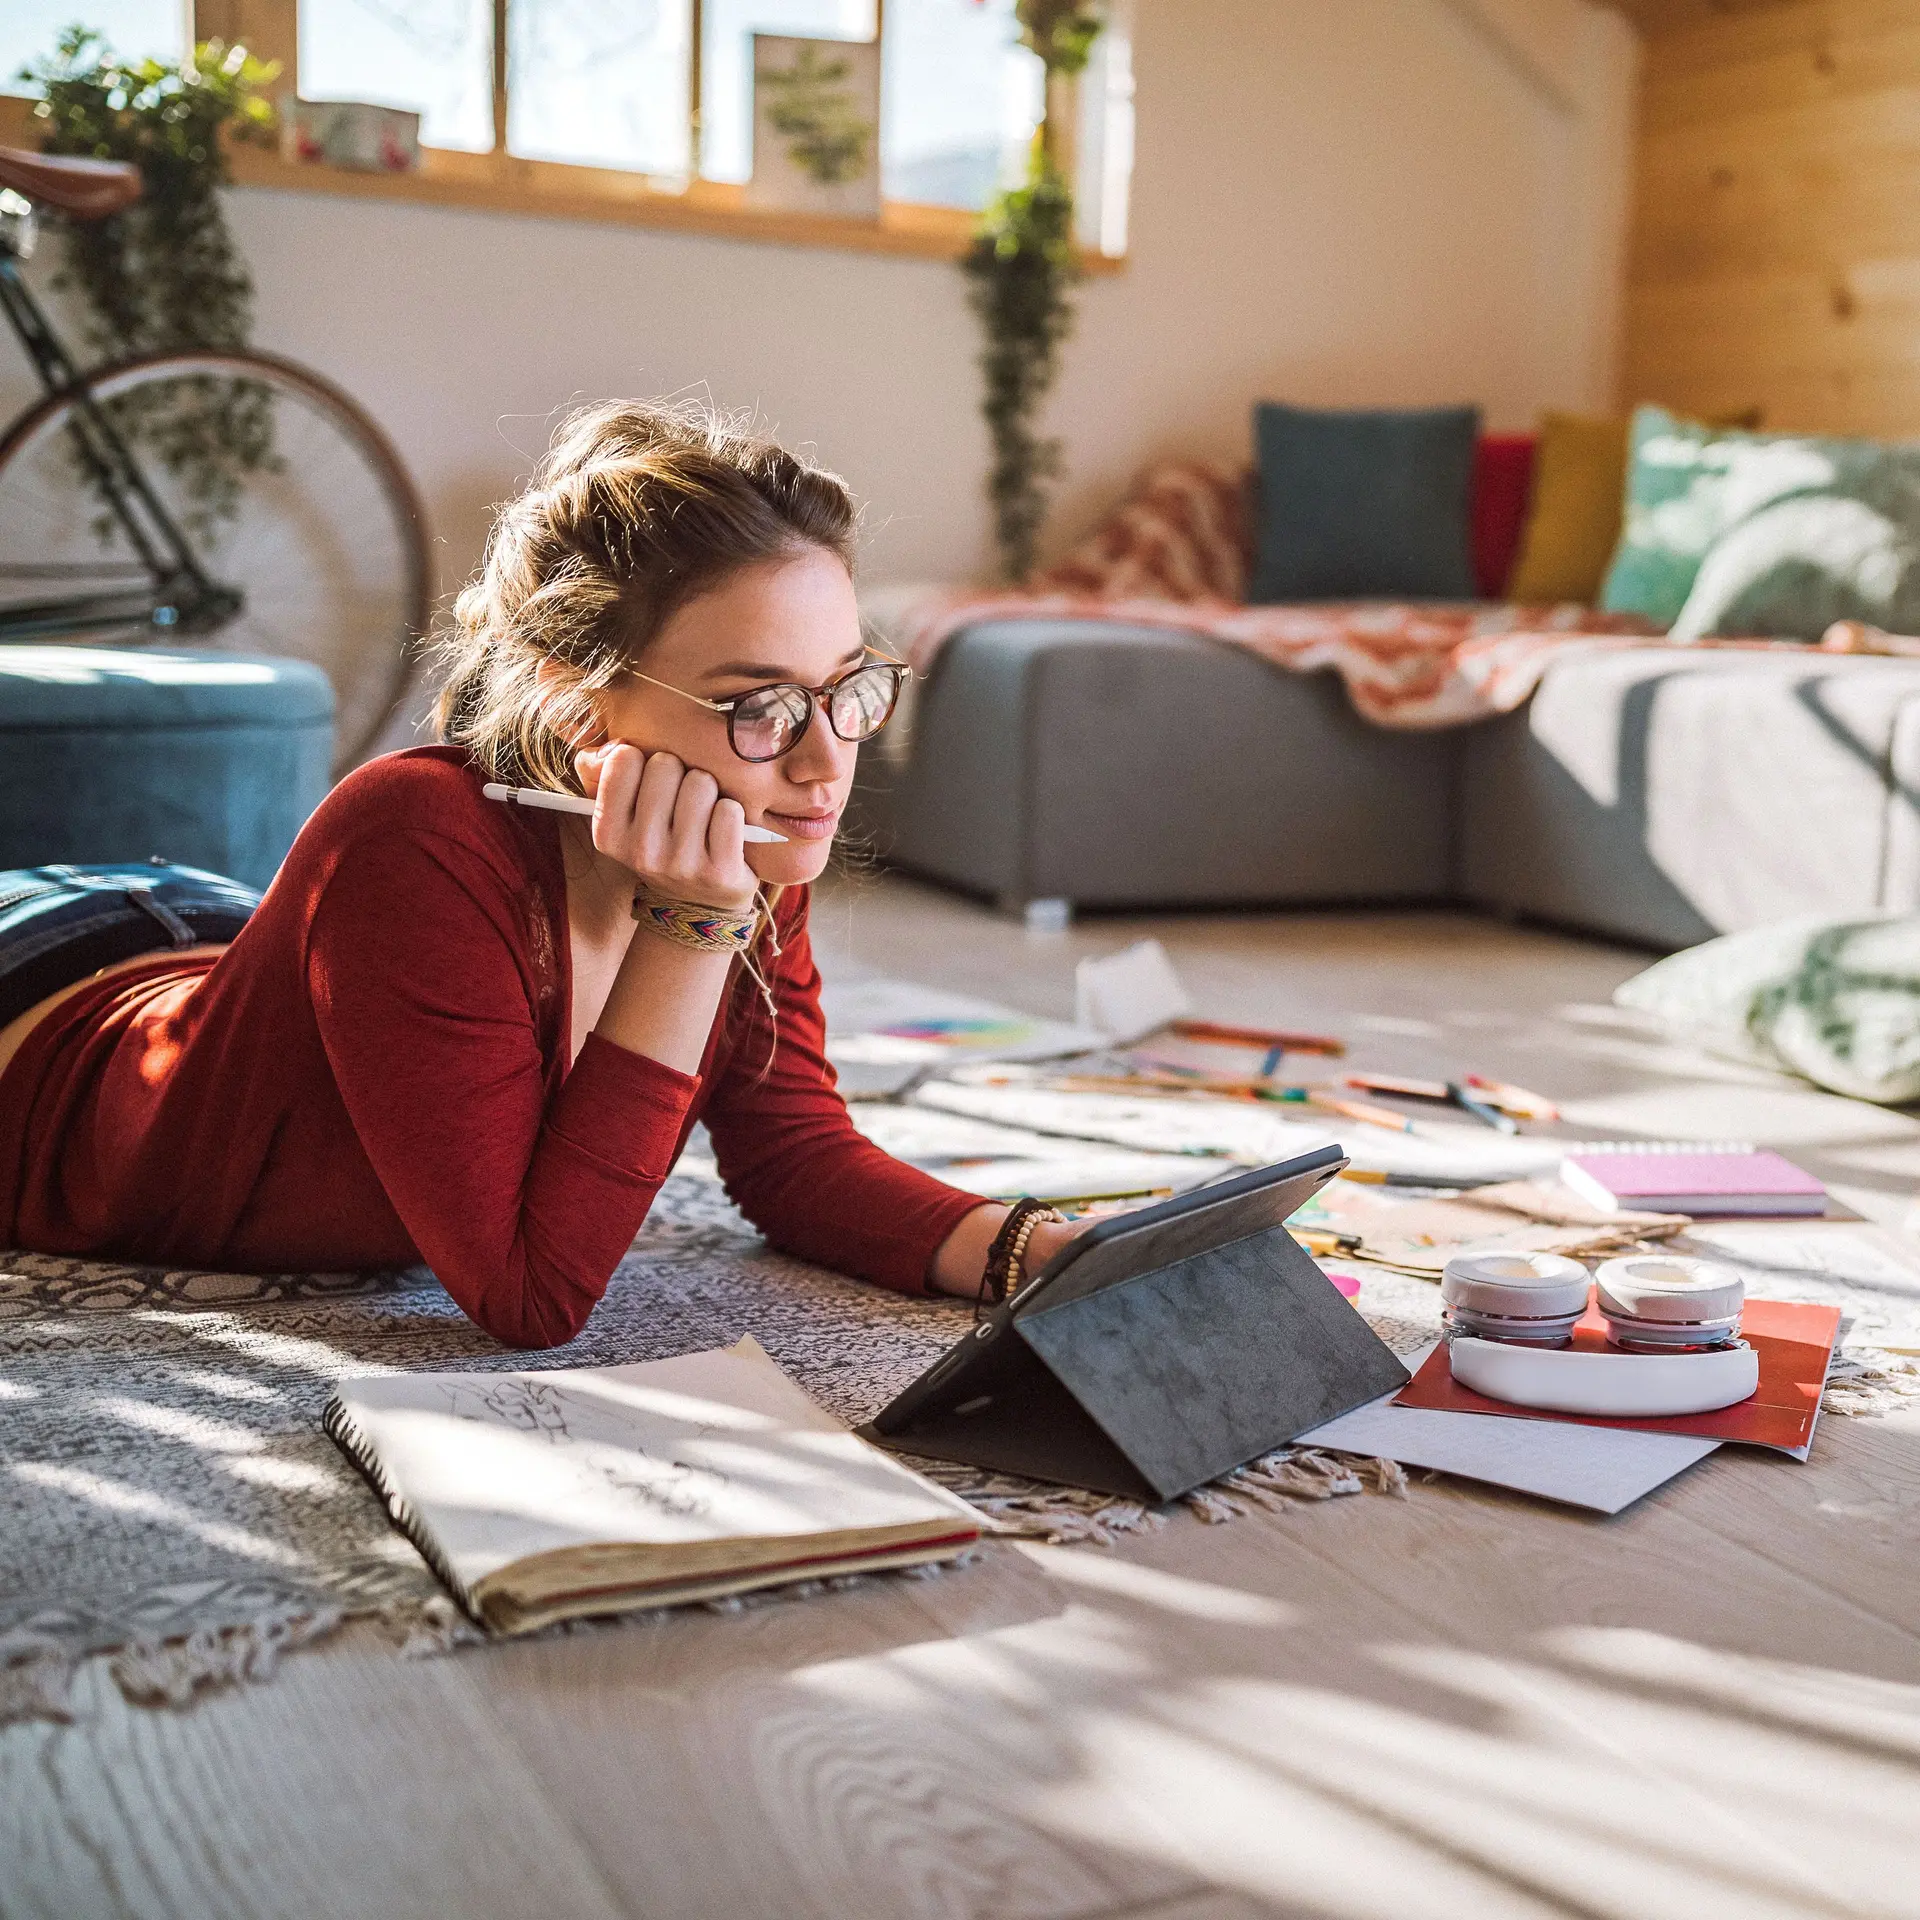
<point>111,754</point>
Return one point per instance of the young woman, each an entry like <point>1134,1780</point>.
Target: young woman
<point>477,1034</point>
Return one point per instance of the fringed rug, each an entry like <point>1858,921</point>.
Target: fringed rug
<point>168,1492</point>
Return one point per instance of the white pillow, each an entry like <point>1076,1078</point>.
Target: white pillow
<point>1837,1001</point>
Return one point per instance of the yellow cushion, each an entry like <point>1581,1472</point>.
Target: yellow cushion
<point>1573,525</point>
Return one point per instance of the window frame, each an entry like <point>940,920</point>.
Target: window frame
<point>498,181</point>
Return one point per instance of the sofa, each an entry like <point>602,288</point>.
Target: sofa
<point>1654,796</point>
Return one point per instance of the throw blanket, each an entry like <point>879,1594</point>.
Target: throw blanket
<point>1175,554</point>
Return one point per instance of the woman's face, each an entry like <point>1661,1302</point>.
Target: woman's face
<point>788,619</point>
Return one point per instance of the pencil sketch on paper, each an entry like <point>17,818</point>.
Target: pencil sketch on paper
<point>604,1447</point>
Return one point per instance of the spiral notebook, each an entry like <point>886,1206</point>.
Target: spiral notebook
<point>545,1495</point>
<point>1691,1177</point>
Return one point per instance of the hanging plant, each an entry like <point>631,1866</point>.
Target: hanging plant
<point>165,274</point>
<point>1022,270</point>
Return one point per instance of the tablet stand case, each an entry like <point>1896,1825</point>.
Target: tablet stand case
<point>1156,1383</point>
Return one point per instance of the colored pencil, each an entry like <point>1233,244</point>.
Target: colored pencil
<point>1257,1037</point>
<point>1398,1084</point>
<point>1514,1100</point>
<point>1174,1083</point>
<point>1363,1110</point>
<point>1481,1110</point>
<point>1319,1242</point>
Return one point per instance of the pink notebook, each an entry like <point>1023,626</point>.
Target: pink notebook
<point>1663,1177</point>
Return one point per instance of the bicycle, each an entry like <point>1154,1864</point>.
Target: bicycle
<point>325,558</point>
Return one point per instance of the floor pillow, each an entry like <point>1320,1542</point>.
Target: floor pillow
<point>1836,1001</point>
<point>1747,533</point>
<point>1363,505</point>
<point>1573,525</point>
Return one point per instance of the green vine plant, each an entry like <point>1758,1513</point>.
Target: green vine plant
<point>814,113</point>
<point>166,274</point>
<point>1022,271</point>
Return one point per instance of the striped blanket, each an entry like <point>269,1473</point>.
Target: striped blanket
<point>1176,553</point>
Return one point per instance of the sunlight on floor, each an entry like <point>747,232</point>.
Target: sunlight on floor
<point>137,1503</point>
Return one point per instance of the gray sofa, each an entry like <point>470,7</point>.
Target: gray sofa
<point>1652,796</point>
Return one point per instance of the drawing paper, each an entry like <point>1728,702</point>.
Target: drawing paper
<point>1601,1469</point>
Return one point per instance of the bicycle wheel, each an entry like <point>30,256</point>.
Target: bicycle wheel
<point>326,546</point>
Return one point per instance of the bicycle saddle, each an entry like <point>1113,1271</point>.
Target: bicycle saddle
<point>82,189</point>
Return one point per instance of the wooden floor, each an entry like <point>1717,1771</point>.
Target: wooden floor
<point>1461,1703</point>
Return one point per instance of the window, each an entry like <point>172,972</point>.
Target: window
<point>643,108</point>
<point>959,101</point>
<point>134,29</point>
<point>433,57</point>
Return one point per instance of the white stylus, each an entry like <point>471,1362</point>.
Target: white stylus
<point>579,803</point>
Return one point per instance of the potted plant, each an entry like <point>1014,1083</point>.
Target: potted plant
<point>166,273</point>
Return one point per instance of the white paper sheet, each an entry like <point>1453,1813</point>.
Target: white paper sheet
<point>1871,1275</point>
<point>872,1061</point>
<point>1603,1469</point>
<point>1000,1163</point>
<point>1252,1133</point>
<point>1129,994</point>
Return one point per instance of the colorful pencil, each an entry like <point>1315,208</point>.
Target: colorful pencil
<point>1363,1110</point>
<point>1257,1037</point>
<point>1319,1242</point>
<point>1511,1099</point>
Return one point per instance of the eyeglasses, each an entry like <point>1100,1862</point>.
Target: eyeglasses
<point>766,722</point>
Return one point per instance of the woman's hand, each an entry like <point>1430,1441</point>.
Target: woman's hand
<point>669,824</point>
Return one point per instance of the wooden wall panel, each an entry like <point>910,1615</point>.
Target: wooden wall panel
<point>1775,259</point>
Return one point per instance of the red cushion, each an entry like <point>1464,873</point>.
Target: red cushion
<point>1502,486</point>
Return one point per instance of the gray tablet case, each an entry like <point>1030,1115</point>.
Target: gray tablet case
<point>1160,1350</point>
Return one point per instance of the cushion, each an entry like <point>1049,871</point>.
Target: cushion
<point>48,684</point>
<point>1579,483</point>
<point>1180,534</point>
<point>1837,1001</point>
<point>1363,505</point>
<point>1502,485</point>
<point>1777,534</point>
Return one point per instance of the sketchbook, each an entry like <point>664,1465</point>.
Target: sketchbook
<point>544,1496</point>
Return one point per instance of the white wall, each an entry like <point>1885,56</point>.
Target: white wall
<point>1335,201</point>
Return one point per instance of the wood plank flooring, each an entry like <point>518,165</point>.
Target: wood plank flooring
<point>1462,1703</point>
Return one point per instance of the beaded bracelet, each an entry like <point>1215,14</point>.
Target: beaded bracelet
<point>689,924</point>
<point>1006,1258</point>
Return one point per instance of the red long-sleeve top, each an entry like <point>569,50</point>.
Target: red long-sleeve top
<point>375,1073</point>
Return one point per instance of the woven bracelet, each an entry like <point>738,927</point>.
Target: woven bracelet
<point>705,929</point>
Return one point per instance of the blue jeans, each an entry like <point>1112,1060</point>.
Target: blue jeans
<point>60,924</point>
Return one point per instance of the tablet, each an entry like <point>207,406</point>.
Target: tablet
<point>1156,1350</point>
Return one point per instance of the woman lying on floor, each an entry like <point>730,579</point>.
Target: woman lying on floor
<point>476,1035</point>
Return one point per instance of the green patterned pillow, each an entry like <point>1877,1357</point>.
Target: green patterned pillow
<point>1766,533</point>
<point>1836,1001</point>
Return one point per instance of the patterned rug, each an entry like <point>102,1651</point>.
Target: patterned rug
<point>166,1478</point>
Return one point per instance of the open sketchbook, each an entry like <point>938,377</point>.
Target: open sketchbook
<point>541,1496</point>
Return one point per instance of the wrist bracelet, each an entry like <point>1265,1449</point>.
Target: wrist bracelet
<point>1005,1270</point>
<point>689,924</point>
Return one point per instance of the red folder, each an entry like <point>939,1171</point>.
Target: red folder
<point>1795,1345</point>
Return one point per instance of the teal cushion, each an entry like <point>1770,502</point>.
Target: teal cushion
<point>1769,534</point>
<point>1364,505</point>
<point>60,686</point>
<point>120,754</point>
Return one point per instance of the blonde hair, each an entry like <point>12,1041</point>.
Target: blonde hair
<point>637,509</point>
